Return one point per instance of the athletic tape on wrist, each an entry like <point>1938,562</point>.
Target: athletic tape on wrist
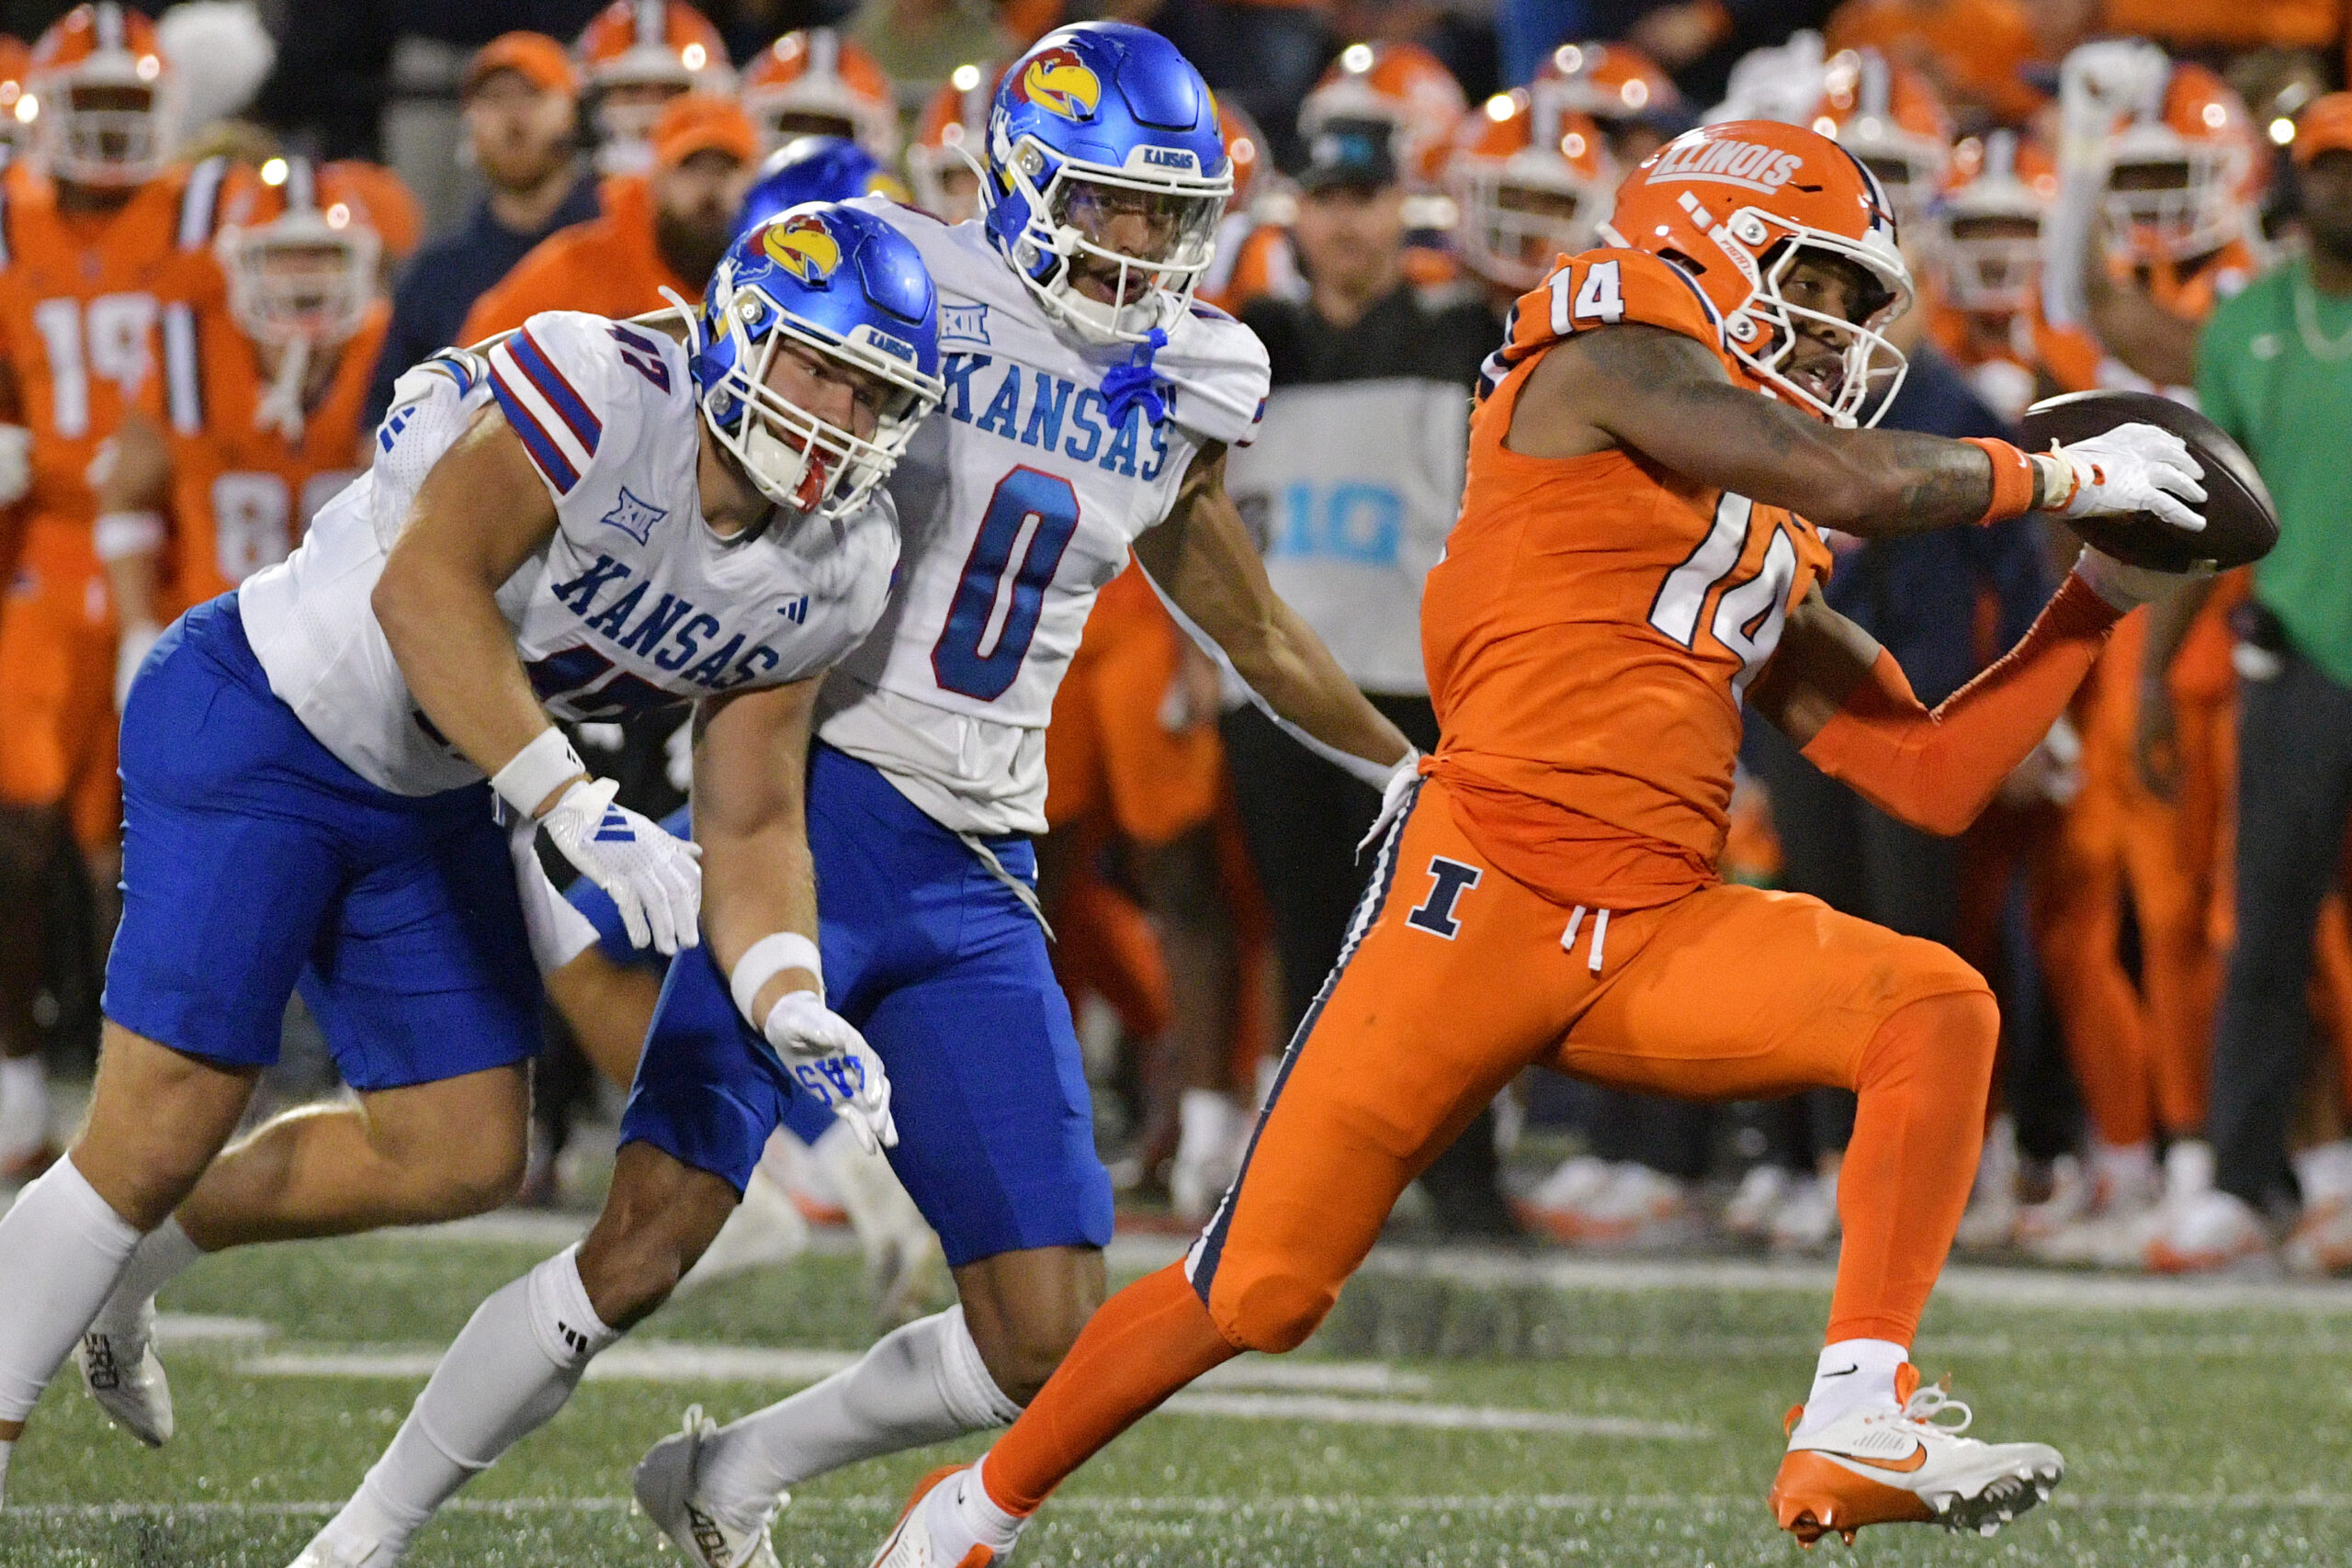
<point>2012,480</point>
<point>119,534</point>
<point>535,773</point>
<point>764,960</point>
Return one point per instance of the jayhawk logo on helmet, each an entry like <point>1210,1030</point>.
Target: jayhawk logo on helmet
<point>1058,80</point>
<point>803,246</point>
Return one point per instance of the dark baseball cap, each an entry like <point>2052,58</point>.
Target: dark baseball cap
<point>1359,153</point>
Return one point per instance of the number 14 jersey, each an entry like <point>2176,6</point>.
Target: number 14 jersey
<point>1597,620</point>
<point>1016,503</point>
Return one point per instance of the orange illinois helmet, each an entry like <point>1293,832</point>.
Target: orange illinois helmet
<point>817,83</point>
<point>2183,176</point>
<point>1738,205</point>
<point>102,96</point>
<point>16,110</point>
<point>1245,145</point>
<point>1610,82</point>
<point>1401,83</point>
<point>1891,118</point>
<point>301,248</point>
<point>635,56</point>
<point>1996,199</point>
<point>1531,182</point>
<point>957,116</point>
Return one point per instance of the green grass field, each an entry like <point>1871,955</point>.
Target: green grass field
<point>1448,1418</point>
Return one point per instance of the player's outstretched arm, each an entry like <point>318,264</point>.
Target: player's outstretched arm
<point>1844,700</point>
<point>1201,557</point>
<point>760,896</point>
<point>1668,396</point>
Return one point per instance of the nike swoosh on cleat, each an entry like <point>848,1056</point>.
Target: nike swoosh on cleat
<point>1913,1460</point>
<point>1844,1371</point>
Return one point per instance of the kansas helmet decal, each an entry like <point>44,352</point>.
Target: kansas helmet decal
<point>803,246</point>
<point>1058,80</point>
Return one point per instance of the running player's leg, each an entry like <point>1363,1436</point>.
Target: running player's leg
<point>2077,892</point>
<point>36,680</point>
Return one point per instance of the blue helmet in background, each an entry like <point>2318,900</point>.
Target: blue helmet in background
<point>814,168</point>
<point>849,288</point>
<point>1103,136</point>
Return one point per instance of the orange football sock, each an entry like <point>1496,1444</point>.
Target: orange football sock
<point>1140,1346</point>
<point>1917,1130</point>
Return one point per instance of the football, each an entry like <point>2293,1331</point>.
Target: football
<point>2241,525</point>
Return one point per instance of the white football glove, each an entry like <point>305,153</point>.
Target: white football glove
<point>1393,796</point>
<point>2128,587</point>
<point>827,1057</point>
<point>132,645</point>
<point>2134,467</point>
<point>655,879</point>
<point>15,463</point>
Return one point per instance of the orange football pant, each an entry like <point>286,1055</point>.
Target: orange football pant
<point>57,648</point>
<point>1457,979</point>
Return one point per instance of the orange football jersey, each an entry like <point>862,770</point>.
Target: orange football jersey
<point>242,496</point>
<point>1595,623</point>
<point>88,304</point>
<point>607,267</point>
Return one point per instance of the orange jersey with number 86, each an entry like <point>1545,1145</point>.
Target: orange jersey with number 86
<point>1596,622</point>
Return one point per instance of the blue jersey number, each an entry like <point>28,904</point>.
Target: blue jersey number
<point>1029,523</point>
<point>562,679</point>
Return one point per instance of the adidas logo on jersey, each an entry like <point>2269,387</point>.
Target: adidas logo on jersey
<point>1748,165</point>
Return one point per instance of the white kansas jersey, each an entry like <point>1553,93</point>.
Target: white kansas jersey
<point>634,604</point>
<point>1017,501</point>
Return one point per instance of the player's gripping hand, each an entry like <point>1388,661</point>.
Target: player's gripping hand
<point>2134,467</point>
<point>827,1057</point>
<point>655,879</point>
<point>2124,586</point>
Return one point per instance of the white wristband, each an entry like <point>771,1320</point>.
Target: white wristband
<point>119,534</point>
<point>537,771</point>
<point>764,960</point>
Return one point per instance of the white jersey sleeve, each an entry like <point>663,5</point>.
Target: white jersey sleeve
<point>633,605</point>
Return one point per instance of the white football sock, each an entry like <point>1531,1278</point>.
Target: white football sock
<point>24,1104</point>
<point>164,1255</point>
<point>512,1368</point>
<point>921,1384</point>
<point>1851,1375</point>
<point>61,1248</point>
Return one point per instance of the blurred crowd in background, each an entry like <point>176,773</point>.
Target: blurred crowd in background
<point>2081,184</point>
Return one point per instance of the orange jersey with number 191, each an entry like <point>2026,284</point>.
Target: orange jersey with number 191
<point>1595,623</point>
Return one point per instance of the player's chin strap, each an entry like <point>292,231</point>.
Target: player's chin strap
<point>686,313</point>
<point>1136,382</point>
<point>280,408</point>
<point>1021,890</point>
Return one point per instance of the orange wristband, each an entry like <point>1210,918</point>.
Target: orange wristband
<point>2012,480</point>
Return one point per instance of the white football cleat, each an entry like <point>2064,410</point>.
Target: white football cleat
<point>119,1369</point>
<point>930,1534</point>
<point>1761,1192</point>
<point>1807,1221</point>
<point>1558,1204</point>
<point>2211,1232</point>
<point>1901,1465</point>
<point>665,1488</point>
<point>325,1552</point>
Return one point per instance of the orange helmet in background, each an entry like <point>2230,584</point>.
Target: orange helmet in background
<point>2184,177</point>
<point>1736,206</point>
<point>106,49</point>
<point>1530,181</point>
<point>1891,118</point>
<point>16,111</point>
<point>817,83</point>
<point>635,57</point>
<point>302,247</point>
<point>1612,83</point>
<point>1245,145</point>
<point>1996,200</point>
<point>1402,83</point>
<point>955,116</point>
<point>382,197</point>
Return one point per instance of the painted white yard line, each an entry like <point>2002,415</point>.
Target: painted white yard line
<point>1330,1410</point>
<point>185,1329</point>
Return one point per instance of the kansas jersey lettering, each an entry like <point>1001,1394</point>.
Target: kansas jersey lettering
<point>634,604</point>
<point>1017,501</point>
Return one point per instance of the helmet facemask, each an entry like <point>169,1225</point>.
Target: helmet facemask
<point>300,278</point>
<point>1764,334</point>
<point>797,459</point>
<point>1520,214</point>
<point>1074,211</point>
<point>105,123</point>
<point>2169,198</point>
<point>1992,261</point>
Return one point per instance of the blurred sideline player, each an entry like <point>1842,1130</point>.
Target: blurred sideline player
<point>107,250</point>
<point>1089,407</point>
<point>1547,891</point>
<point>1245,213</point>
<point>1532,181</point>
<point>814,82</point>
<point>16,115</point>
<point>1989,265</point>
<point>1636,104</point>
<point>1974,51</point>
<point>283,373</point>
<point>491,574</point>
<point>1890,117</point>
<point>665,230</point>
<point>634,57</point>
<point>956,116</point>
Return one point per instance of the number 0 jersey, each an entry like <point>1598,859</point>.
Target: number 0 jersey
<point>1595,623</point>
<point>633,605</point>
<point>1018,501</point>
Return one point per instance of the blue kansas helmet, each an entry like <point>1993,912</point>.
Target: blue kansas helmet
<point>1103,136</point>
<point>846,285</point>
<point>814,168</point>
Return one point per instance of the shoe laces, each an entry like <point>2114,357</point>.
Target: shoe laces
<point>1931,1402</point>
